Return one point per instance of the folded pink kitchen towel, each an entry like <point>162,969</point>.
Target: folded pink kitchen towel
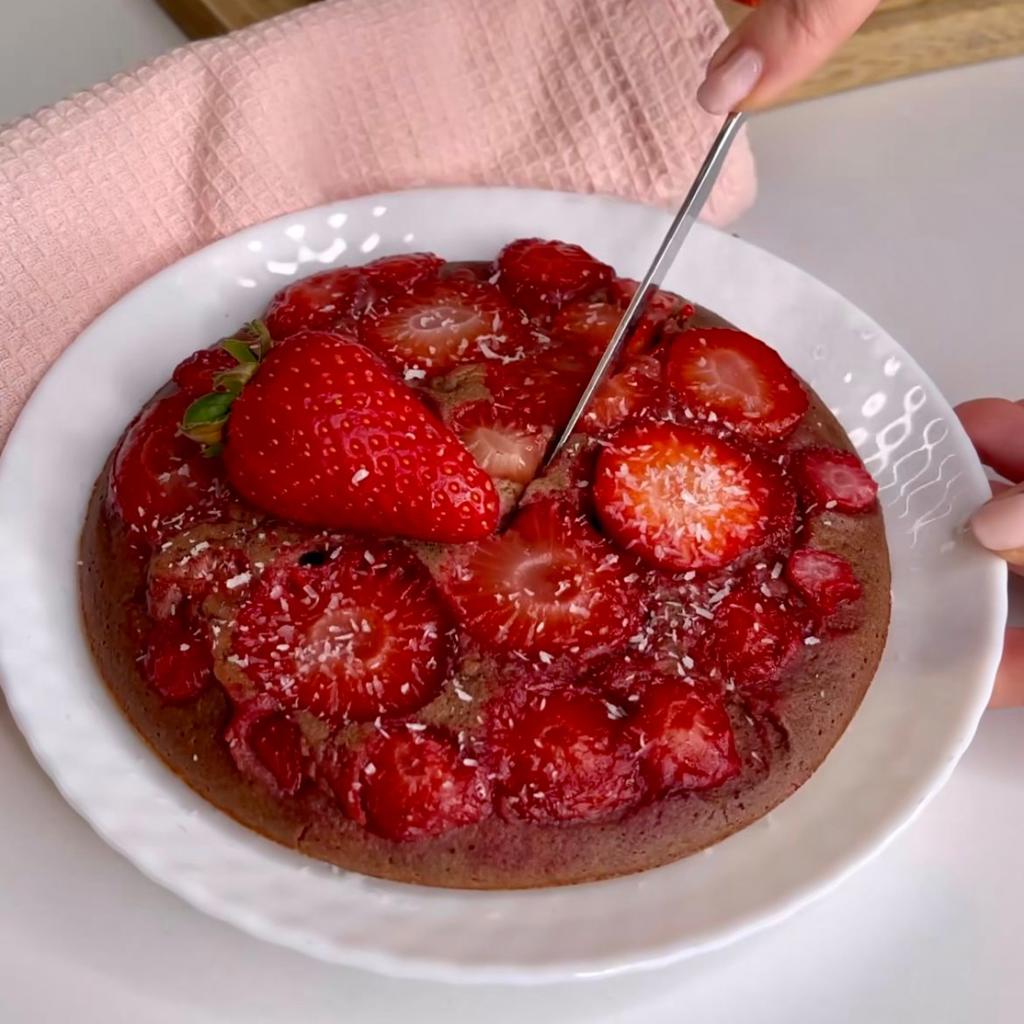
<point>342,98</point>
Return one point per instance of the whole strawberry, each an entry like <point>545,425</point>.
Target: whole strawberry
<point>319,431</point>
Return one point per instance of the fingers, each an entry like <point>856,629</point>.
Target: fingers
<point>996,426</point>
<point>1009,688</point>
<point>778,45</point>
<point>999,525</point>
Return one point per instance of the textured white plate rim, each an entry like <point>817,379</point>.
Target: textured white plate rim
<point>419,964</point>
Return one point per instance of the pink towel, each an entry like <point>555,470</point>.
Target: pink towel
<point>342,98</point>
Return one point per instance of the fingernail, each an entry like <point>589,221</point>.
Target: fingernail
<point>999,524</point>
<point>728,84</point>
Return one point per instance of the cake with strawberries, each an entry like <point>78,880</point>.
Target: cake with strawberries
<point>332,579</point>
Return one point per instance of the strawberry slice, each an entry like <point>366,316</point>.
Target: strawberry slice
<point>507,413</point>
<point>506,454</point>
<point>661,305</point>
<point>395,275</point>
<point>561,756</point>
<point>685,738</point>
<point>195,375</point>
<point>415,783</point>
<point>831,479</point>
<point>441,324</point>
<point>586,326</point>
<point>683,499</point>
<point>324,435</point>
<point>636,390</point>
<point>730,376</point>
<point>160,483</point>
<point>825,581</point>
<point>177,662</point>
<point>346,634</point>
<point>324,302</point>
<point>267,746</point>
<point>550,585</point>
<point>753,638</point>
<point>541,276</point>
<point>190,570</point>
<point>661,308</point>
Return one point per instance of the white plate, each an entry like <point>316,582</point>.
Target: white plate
<point>918,717</point>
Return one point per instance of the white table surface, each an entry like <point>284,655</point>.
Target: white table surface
<point>907,198</point>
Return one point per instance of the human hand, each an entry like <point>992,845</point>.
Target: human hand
<point>996,427</point>
<point>779,44</point>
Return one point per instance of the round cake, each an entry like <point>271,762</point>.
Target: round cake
<point>330,577</point>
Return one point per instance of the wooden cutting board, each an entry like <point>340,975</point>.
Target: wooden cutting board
<point>903,37</point>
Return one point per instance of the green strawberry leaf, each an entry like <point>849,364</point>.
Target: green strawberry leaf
<point>211,408</point>
<point>232,381</point>
<point>241,350</point>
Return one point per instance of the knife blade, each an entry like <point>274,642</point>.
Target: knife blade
<point>663,259</point>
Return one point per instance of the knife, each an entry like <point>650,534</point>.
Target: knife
<point>663,259</point>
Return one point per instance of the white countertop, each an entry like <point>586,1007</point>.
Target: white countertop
<point>905,198</point>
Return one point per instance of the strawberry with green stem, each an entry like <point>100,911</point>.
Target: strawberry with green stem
<point>321,432</point>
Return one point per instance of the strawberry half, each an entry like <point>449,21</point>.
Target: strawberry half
<point>549,586</point>
<point>177,662</point>
<point>684,737</point>
<point>346,633</point>
<point>825,581</point>
<point>160,483</point>
<point>541,276</point>
<point>732,377</point>
<point>441,324</point>
<point>324,302</point>
<point>682,499</point>
<point>561,756</point>
<point>324,435</point>
<point>267,746</point>
<point>415,783</point>
<point>753,638</point>
<point>831,479</point>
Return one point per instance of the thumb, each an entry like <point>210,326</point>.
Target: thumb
<point>778,45</point>
<point>999,525</point>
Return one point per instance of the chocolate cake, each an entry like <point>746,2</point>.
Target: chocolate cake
<point>327,579</point>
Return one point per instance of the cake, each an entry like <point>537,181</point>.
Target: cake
<point>330,580</point>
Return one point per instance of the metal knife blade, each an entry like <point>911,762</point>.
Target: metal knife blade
<point>663,259</point>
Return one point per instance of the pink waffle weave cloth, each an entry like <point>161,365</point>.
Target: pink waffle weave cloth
<point>343,98</point>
